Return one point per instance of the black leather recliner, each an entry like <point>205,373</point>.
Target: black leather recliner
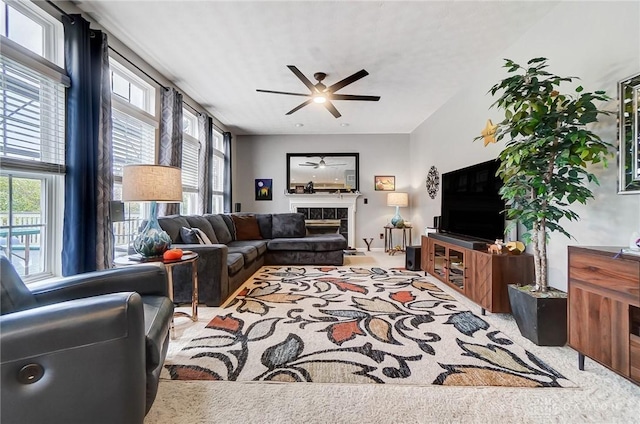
<point>83,349</point>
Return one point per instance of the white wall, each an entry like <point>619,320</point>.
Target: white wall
<point>380,154</point>
<point>597,41</point>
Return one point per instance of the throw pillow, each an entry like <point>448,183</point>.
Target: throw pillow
<point>194,236</point>
<point>288,225</point>
<point>246,227</point>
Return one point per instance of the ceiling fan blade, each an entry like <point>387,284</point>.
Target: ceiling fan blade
<point>348,80</point>
<point>304,79</point>
<point>354,97</point>
<point>282,92</point>
<point>331,108</point>
<point>300,106</point>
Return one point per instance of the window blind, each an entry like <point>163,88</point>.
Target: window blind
<point>133,141</point>
<point>32,119</point>
<point>190,154</point>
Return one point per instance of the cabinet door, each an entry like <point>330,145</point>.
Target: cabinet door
<point>427,255</point>
<point>481,288</point>
<point>599,327</point>
<point>456,267</point>
<point>439,261</point>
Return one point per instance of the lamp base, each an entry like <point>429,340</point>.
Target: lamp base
<point>152,241</point>
<point>397,220</point>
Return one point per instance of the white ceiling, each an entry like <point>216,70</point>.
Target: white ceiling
<point>418,55</point>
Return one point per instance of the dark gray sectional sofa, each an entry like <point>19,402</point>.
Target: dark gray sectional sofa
<point>241,244</point>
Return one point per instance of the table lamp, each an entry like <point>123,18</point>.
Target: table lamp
<point>399,200</point>
<point>151,183</point>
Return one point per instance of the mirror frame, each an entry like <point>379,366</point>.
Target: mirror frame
<point>356,156</point>
<point>628,135</point>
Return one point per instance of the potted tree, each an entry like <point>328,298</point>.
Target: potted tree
<point>544,167</point>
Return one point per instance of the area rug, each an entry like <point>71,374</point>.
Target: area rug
<point>354,325</point>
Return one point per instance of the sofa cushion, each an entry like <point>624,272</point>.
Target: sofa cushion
<point>194,236</point>
<point>172,225</point>
<point>260,245</point>
<point>265,222</point>
<point>287,225</point>
<point>220,228</point>
<point>312,243</point>
<point>235,263</point>
<point>250,253</point>
<point>246,227</point>
<point>197,221</point>
<point>232,228</point>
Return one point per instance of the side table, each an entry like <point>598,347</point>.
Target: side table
<point>187,258</point>
<point>388,237</point>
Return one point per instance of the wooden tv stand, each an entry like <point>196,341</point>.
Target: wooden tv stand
<point>604,308</point>
<point>481,276</point>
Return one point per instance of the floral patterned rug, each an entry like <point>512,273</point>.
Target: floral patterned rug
<point>354,325</point>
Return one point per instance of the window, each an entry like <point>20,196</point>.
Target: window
<point>190,163</point>
<point>217,173</point>
<point>134,142</point>
<point>29,26</point>
<point>32,139</point>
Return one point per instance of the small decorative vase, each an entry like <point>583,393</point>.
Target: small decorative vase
<point>152,241</point>
<point>397,220</point>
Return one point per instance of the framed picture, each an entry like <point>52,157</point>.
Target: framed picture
<point>384,182</point>
<point>299,189</point>
<point>264,189</point>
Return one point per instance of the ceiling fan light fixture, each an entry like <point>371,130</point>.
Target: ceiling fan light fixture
<point>319,98</point>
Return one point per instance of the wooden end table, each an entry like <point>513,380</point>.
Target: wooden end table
<point>388,238</point>
<point>187,258</point>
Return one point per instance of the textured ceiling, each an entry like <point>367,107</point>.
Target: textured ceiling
<point>418,55</point>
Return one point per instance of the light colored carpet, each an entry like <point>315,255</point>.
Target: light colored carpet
<point>602,396</point>
<point>354,324</point>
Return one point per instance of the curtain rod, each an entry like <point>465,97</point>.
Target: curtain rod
<point>52,4</point>
<point>137,67</point>
<point>192,108</point>
<point>161,85</point>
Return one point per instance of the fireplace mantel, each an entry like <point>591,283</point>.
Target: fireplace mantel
<point>328,200</point>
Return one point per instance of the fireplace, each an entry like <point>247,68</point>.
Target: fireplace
<point>335,210</point>
<point>321,226</point>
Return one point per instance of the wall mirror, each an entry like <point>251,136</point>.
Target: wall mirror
<point>328,172</point>
<point>629,136</point>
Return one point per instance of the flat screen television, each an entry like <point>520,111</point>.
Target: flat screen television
<point>471,204</point>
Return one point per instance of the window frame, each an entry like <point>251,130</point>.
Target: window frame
<point>217,200</point>
<point>52,30</point>
<point>149,116</point>
<point>51,174</point>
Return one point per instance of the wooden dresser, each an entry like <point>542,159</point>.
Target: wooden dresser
<point>604,308</point>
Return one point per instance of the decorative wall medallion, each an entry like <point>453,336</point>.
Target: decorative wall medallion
<point>433,182</point>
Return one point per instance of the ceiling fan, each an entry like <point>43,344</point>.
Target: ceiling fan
<point>320,93</point>
<point>321,164</point>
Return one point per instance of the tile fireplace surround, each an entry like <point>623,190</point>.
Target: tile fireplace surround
<point>328,206</point>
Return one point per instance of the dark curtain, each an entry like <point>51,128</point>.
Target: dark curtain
<point>226,139</point>
<point>205,137</point>
<point>170,139</point>
<point>86,127</point>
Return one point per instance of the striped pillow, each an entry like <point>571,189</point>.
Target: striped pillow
<point>194,236</point>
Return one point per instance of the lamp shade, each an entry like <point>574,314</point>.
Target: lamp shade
<point>398,199</point>
<point>145,183</point>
